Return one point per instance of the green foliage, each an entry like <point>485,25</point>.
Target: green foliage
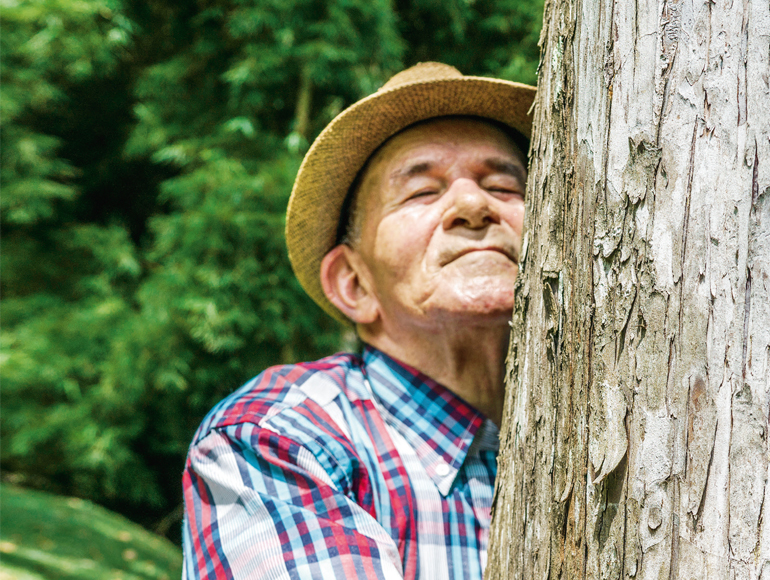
<point>478,37</point>
<point>45,45</point>
<point>57,538</point>
<point>148,154</point>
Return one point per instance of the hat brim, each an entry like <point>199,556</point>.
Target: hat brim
<point>342,148</point>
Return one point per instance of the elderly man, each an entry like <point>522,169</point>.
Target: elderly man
<point>406,220</point>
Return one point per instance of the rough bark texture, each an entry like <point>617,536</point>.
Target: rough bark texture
<point>635,439</point>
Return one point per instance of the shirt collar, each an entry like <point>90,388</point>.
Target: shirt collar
<point>438,424</point>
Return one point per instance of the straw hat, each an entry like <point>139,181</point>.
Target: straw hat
<point>426,90</point>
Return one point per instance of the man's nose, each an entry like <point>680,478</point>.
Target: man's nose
<point>470,206</point>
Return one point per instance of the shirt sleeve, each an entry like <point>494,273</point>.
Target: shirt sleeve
<point>259,505</point>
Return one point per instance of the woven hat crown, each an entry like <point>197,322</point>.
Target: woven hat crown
<point>421,73</point>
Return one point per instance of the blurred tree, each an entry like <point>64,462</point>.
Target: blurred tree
<point>70,267</point>
<point>47,46</point>
<point>149,151</point>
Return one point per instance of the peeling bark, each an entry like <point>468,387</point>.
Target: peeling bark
<point>634,439</point>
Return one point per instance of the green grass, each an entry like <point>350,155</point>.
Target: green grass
<point>47,537</point>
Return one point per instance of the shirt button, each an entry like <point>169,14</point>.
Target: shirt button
<point>442,470</point>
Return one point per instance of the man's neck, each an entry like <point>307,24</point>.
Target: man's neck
<point>467,360</point>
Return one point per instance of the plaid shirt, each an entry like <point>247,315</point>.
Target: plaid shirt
<point>347,467</point>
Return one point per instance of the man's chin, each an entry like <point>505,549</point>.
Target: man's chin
<point>487,297</point>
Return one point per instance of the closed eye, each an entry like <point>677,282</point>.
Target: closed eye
<point>506,191</point>
<point>423,193</point>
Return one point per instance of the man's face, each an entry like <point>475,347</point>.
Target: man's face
<point>443,209</point>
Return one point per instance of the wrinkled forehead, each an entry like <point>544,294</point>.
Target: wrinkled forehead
<point>427,142</point>
<point>447,131</point>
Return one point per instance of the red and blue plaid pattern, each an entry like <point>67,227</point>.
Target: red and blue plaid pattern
<point>348,467</point>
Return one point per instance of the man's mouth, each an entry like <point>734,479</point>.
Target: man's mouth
<point>509,253</point>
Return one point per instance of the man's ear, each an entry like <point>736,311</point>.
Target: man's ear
<point>346,285</point>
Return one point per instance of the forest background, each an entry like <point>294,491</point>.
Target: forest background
<point>148,152</point>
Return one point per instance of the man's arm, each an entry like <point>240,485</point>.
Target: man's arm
<point>259,505</point>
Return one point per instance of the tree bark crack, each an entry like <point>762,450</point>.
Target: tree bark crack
<point>746,317</point>
<point>699,513</point>
<point>674,568</point>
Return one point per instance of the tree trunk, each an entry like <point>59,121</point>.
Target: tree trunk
<point>634,442</point>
